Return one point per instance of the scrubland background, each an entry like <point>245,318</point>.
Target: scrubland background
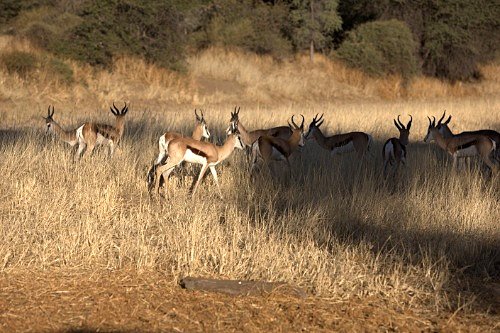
<point>428,238</point>
<point>426,241</point>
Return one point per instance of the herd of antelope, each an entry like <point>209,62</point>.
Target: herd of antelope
<point>272,144</point>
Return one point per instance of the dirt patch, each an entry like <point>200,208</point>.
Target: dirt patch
<point>126,301</point>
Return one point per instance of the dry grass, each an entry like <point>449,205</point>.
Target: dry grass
<point>428,240</point>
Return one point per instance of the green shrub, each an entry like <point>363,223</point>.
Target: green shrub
<point>60,70</point>
<point>19,62</point>
<point>381,47</point>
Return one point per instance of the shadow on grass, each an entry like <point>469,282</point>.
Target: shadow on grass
<point>473,258</point>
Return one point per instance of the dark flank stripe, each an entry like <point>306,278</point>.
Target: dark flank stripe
<point>467,145</point>
<point>197,151</point>
<point>342,143</point>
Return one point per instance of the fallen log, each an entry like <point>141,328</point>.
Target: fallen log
<point>239,287</point>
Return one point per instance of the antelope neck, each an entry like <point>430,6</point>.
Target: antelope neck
<point>226,149</point>
<point>197,132</point>
<point>245,136</point>
<point>67,136</point>
<point>320,138</point>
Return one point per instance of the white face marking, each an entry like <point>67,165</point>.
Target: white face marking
<point>206,132</point>
<point>301,140</point>
<point>346,148</point>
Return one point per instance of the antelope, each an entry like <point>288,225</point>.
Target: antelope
<point>269,148</point>
<point>200,131</point>
<point>447,133</point>
<point>341,143</point>
<point>249,138</point>
<point>91,134</point>
<point>205,153</point>
<point>394,150</point>
<point>463,146</point>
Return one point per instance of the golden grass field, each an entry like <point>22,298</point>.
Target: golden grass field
<point>424,246</point>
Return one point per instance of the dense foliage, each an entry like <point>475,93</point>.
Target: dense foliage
<point>441,38</point>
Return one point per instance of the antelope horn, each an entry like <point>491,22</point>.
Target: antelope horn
<point>409,123</point>
<point>321,117</point>
<point>442,117</point>
<point>400,123</point>
<point>397,126</point>
<point>430,122</point>
<point>293,122</point>
<point>433,121</point>
<point>124,109</point>
<point>303,119</point>
<point>202,115</point>
<point>196,114</point>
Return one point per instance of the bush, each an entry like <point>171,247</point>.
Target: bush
<point>381,47</point>
<point>19,62</point>
<point>250,25</point>
<point>60,70</point>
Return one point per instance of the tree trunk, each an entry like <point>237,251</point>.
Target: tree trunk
<point>311,51</point>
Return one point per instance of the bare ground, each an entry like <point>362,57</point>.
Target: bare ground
<point>126,301</point>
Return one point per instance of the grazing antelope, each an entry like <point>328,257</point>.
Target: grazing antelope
<point>200,131</point>
<point>341,143</point>
<point>269,148</point>
<point>394,150</point>
<point>91,134</point>
<point>205,153</point>
<point>463,146</point>
<point>447,133</point>
<point>249,138</point>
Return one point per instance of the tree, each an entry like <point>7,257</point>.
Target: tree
<point>314,21</point>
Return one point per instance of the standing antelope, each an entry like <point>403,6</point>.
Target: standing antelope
<point>447,133</point>
<point>463,146</point>
<point>205,153</point>
<point>91,134</point>
<point>269,148</point>
<point>249,138</point>
<point>341,143</point>
<point>394,150</point>
<point>200,131</point>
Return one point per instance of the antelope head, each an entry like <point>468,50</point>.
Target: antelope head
<point>314,126</point>
<point>443,127</point>
<point>49,121</point>
<point>297,131</point>
<point>404,132</point>
<point>202,124</point>
<point>233,123</point>
<point>119,113</point>
<point>431,130</point>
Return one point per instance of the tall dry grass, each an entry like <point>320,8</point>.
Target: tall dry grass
<point>428,239</point>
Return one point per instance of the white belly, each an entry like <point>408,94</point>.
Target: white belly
<point>467,152</point>
<point>344,149</point>
<point>79,134</point>
<point>191,157</point>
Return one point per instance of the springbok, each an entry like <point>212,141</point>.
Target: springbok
<point>269,148</point>
<point>249,138</point>
<point>446,132</point>
<point>200,131</point>
<point>463,146</point>
<point>341,143</point>
<point>394,150</point>
<point>205,153</point>
<point>91,134</point>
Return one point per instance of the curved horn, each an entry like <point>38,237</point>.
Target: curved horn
<point>430,122</point>
<point>400,123</point>
<point>433,121</point>
<point>202,115</point>
<point>196,115</point>
<point>302,124</point>
<point>321,117</point>
<point>409,123</point>
<point>293,122</point>
<point>319,124</point>
<point>315,118</point>
<point>124,109</point>
<point>442,117</point>
<point>397,126</point>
